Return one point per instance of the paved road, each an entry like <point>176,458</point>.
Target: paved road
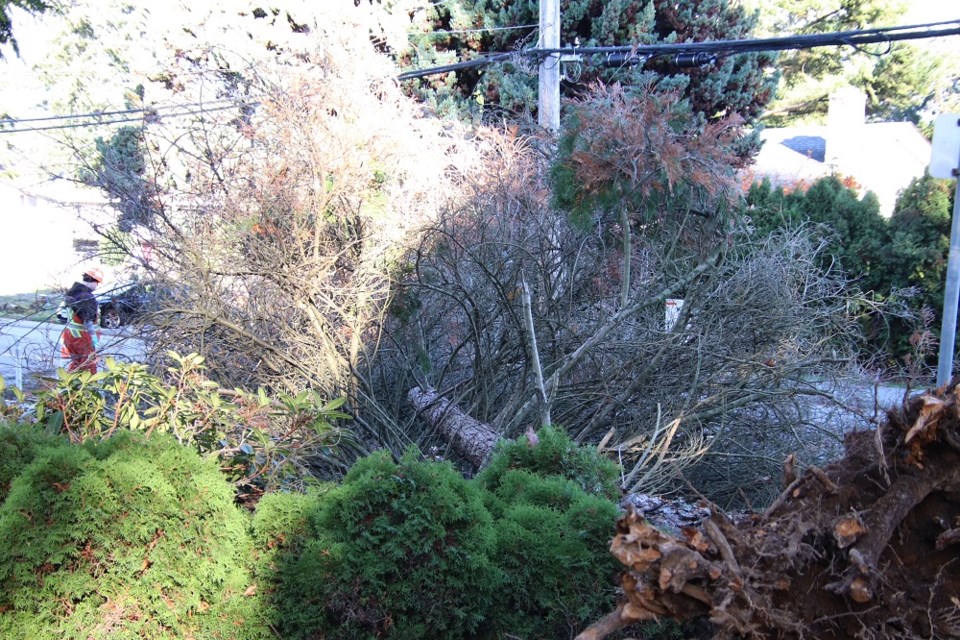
<point>28,348</point>
<point>865,394</point>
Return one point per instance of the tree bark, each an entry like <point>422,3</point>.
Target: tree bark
<point>470,438</point>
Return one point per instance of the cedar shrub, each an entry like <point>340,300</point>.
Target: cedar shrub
<point>135,537</point>
<point>401,549</point>
<point>554,455</point>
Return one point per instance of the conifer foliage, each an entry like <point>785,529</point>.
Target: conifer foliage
<point>410,549</point>
<point>639,147</point>
<point>739,85</point>
<point>401,550</point>
<point>135,537</point>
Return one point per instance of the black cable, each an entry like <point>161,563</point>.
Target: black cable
<point>71,126</point>
<point>485,60</point>
<point>839,38</point>
<point>93,114</point>
<point>99,114</point>
<point>97,123</point>
<point>691,52</point>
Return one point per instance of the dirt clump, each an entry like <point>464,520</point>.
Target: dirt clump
<point>867,547</point>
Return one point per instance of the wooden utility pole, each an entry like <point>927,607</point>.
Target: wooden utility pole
<point>548,104</point>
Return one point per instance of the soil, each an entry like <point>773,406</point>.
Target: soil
<point>868,547</point>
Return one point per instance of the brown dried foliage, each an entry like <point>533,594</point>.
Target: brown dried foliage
<point>644,141</point>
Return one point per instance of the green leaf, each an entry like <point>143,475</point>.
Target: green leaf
<point>55,422</point>
<point>334,404</point>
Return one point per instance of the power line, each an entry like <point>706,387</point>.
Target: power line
<point>477,30</point>
<point>687,53</point>
<point>147,112</point>
<point>483,61</point>
<point>98,114</point>
<point>728,47</point>
<point>6,121</point>
<point>71,126</point>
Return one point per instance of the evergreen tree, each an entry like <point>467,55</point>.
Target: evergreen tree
<point>902,84</point>
<point>901,262</point>
<point>120,169</point>
<point>920,240</point>
<point>900,80</point>
<point>851,225</point>
<point>739,85</point>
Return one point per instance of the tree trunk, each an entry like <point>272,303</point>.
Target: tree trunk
<point>472,439</point>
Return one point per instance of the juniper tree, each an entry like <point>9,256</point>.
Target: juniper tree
<point>739,85</point>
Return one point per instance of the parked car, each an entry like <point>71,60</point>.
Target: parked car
<point>119,305</point>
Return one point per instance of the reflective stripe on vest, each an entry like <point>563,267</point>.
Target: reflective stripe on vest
<point>76,330</point>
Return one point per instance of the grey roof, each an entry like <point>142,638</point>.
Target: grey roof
<point>882,156</point>
<point>813,147</point>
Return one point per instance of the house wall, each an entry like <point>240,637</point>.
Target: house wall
<point>882,157</point>
<point>43,227</point>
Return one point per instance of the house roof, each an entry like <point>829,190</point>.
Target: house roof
<point>882,156</point>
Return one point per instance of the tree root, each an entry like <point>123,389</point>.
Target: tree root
<point>623,616</point>
<point>947,538</point>
<point>791,490</point>
<point>770,574</point>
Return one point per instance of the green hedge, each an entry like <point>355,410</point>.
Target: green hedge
<point>555,455</point>
<point>400,550</point>
<point>18,447</point>
<point>410,549</point>
<point>553,505</point>
<point>137,537</point>
<point>132,538</point>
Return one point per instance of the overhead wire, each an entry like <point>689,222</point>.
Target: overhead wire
<point>716,48</point>
<point>147,113</point>
<point>483,61</point>
<point>839,38</point>
<point>476,30</point>
<point>96,114</point>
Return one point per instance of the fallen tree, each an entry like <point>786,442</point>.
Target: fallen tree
<point>468,437</point>
<point>863,548</point>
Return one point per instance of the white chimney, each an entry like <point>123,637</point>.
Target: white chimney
<point>845,120</point>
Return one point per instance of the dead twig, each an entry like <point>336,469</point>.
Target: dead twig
<point>782,498</point>
<point>725,551</point>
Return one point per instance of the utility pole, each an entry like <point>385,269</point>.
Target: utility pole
<point>945,163</point>
<point>548,95</point>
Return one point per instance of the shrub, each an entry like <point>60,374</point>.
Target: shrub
<point>399,550</point>
<point>18,447</point>
<point>555,455</point>
<point>281,519</point>
<point>410,549</point>
<point>135,537</point>
<point>552,545</point>
<point>260,441</point>
<point>278,532</point>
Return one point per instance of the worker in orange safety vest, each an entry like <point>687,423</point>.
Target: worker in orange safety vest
<point>81,337</point>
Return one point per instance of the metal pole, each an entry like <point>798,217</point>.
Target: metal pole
<point>548,96</point>
<point>948,330</point>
